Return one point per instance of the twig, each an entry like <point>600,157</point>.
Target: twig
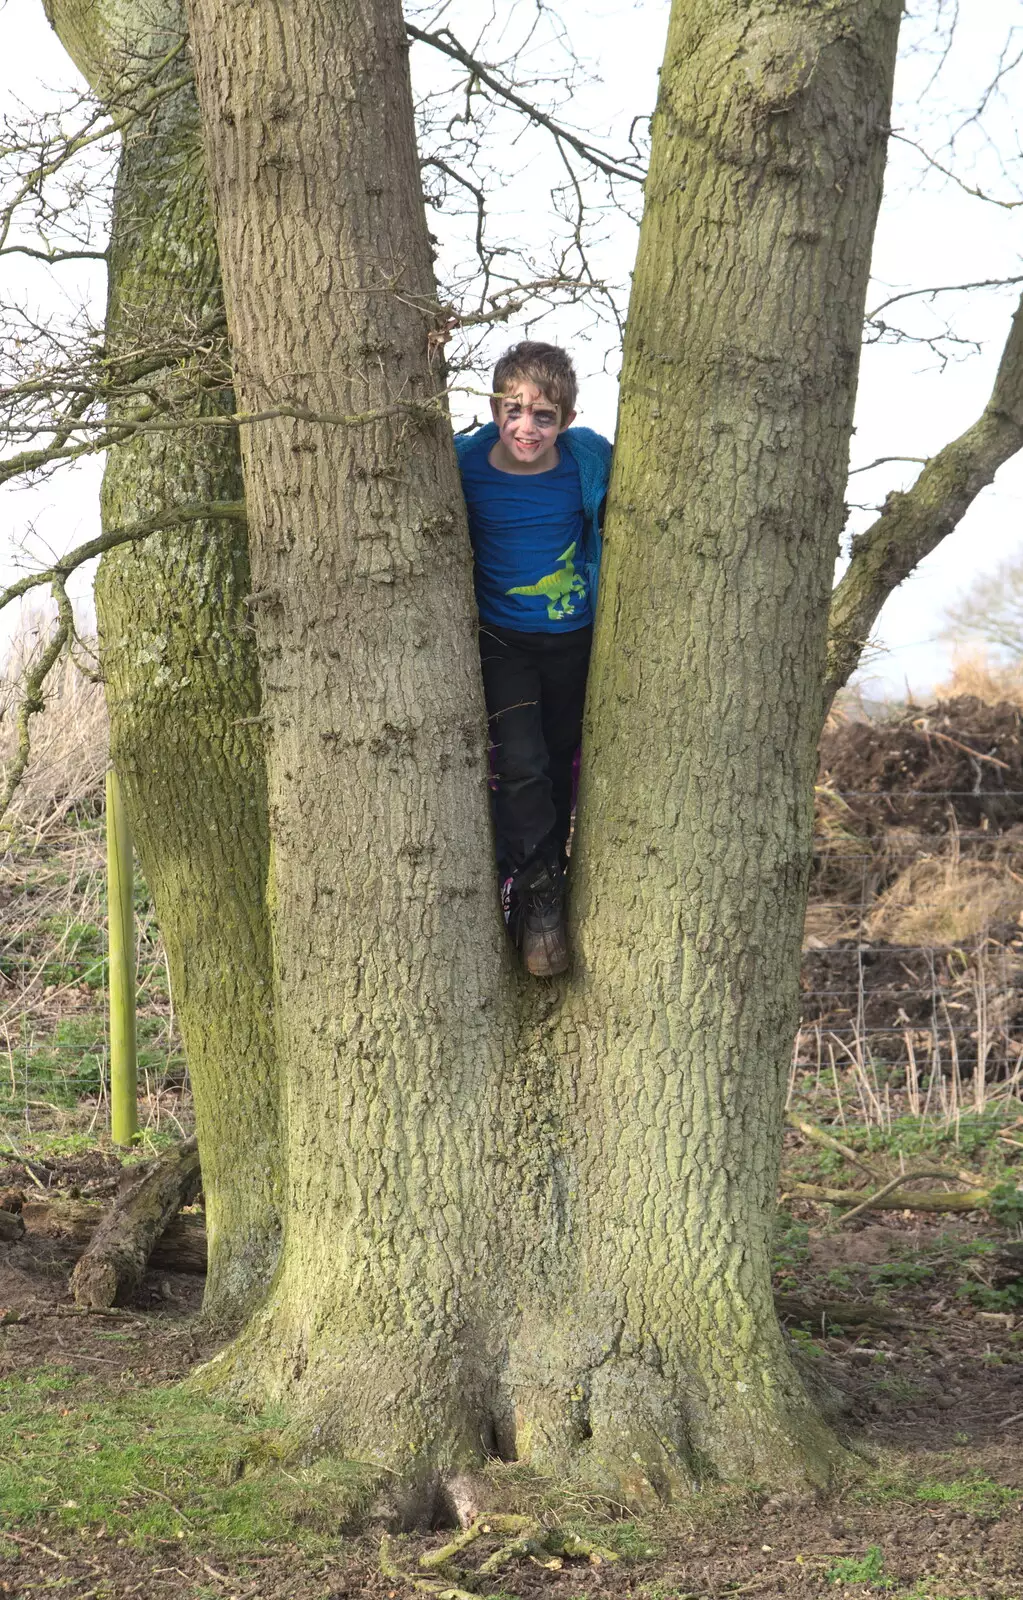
<point>810,1131</point>
<point>147,1488</point>
<point>445,41</point>
<point>932,733</point>
<point>936,1200</point>
<point>34,1544</point>
<point>889,1188</point>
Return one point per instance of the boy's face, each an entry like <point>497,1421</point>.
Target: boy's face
<point>528,425</point>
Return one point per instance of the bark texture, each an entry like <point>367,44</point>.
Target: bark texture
<point>178,655</point>
<point>388,949</point>
<point>664,1360</point>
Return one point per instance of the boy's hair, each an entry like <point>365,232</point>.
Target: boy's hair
<point>546,365</point>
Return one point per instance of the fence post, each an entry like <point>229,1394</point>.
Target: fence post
<point>124,1124</point>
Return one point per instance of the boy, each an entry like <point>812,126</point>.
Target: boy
<point>534,488</point>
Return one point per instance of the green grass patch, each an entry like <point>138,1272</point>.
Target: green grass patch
<point>868,1568</point>
<point>58,1070</point>
<point>972,1490</point>
<point>163,1464</point>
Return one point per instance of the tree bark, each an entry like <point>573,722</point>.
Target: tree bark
<point>390,968</point>
<point>179,660</point>
<point>662,1360</point>
<point>114,1263</point>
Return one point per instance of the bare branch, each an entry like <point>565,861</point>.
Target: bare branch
<point>150,421</point>
<point>32,701</point>
<point>882,461</point>
<point>943,288</point>
<point>946,172</point>
<point>445,41</point>
<point>912,524</point>
<point>176,516</point>
<point>53,257</point>
<point>101,126</point>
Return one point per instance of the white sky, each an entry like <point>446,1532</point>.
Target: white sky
<point>930,233</point>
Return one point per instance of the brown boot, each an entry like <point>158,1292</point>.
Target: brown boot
<point>541,894</point>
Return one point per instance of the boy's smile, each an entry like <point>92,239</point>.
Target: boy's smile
<point>528,427</point>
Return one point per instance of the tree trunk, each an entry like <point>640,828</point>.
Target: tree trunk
<point>694,840</point>
<point>179,660</point>
<point>390,967</point>
<point>626,1311</point>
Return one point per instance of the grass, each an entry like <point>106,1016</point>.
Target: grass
<point>972,1490</point>
<point>162,1464</point>
<point>868,1568</point>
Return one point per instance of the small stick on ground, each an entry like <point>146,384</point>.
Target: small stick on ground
<point>816,1135</point>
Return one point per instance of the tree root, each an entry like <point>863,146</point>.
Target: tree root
<point>524,1539</point>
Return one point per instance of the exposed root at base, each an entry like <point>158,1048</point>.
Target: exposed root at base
<point>524,1540</point>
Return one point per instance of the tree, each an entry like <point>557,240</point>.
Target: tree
<point>991,612</point>
<point>639,1351</point>
<point>521,1221</point>
<point>176,650</point>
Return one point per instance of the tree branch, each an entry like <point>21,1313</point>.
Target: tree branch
<point>207,511</point>
<point>32,700</point>
<point>913,524</point>
<point>445,41</point>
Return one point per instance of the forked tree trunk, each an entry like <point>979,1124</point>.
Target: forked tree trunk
<point>695,832</point>
<point>388,948</point>
<point>179,660</point>
<point>623,1317</point>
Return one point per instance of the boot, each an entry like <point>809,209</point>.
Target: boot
<point>540,892</point>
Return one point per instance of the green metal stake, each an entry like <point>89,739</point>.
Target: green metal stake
<point>124,1123</point>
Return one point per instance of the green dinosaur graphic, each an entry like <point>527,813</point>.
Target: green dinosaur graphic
<point>557,587</point>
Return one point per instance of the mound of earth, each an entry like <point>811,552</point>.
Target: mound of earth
<point>919,825</point>
<point>956,764</point>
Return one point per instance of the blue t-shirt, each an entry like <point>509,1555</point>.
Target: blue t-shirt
<point>526,530</point>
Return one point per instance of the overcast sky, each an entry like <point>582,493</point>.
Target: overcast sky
<point>931,233</point>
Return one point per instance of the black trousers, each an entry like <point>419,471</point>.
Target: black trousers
<point>535,687</point>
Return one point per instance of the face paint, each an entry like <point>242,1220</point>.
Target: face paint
<point>528,426</point>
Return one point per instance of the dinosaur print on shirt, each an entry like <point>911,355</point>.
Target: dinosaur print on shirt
<point>557,587</point>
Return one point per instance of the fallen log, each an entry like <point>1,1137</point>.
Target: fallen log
<point>114,1263</point>
<point>180,1248</point>
<point>838,1313</point>
<point>935,1200</point>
